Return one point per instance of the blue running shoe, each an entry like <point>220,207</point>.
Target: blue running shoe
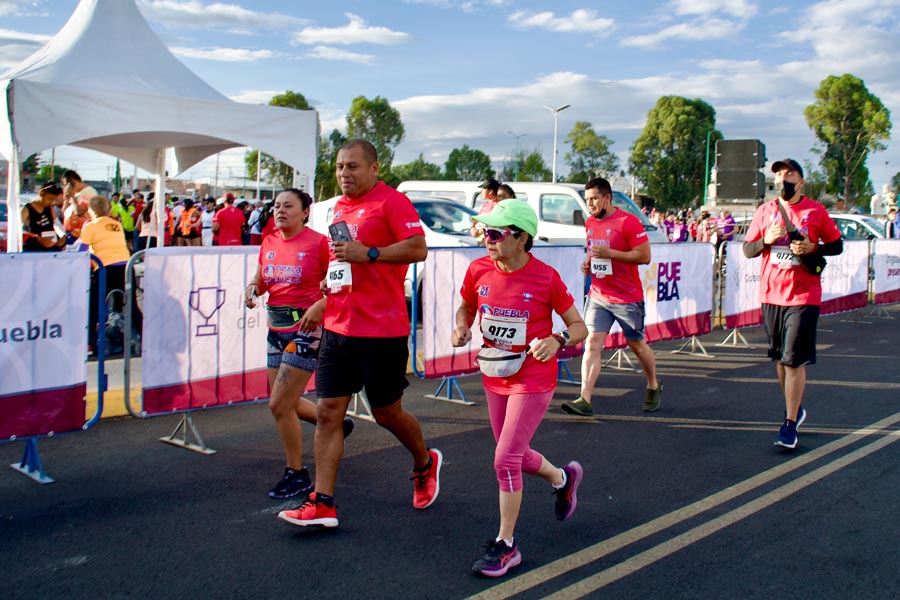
<point>801,416</point>
<point>498,558</point>
<point>566,496</point>
<point>787,436</point>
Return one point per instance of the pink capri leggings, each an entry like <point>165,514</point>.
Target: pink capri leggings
<point>514,419</point>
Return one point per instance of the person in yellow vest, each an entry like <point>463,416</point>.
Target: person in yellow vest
<point>190,225</point>
<point>106,240</point>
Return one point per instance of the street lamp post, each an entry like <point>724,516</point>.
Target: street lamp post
<point>556,112</point>
<point>706,170</point>
<point>521,135</point>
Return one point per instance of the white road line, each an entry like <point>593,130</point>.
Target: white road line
<point>538,576</point>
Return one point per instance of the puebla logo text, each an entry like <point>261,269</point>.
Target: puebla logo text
<point>31,332</point>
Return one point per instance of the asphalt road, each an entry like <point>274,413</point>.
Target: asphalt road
<point>691,502</point>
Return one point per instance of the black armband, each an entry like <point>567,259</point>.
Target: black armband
<point>754,249</point>
<point>831,248</point>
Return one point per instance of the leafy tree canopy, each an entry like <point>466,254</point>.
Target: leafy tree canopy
<point>468,164</point>
<point>379,123</point>
<point>591,155</point>
<point>669,155</point>
<point>850,123</point>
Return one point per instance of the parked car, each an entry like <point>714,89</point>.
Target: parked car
<point>446,223</point>
<point>858,227</point>
<point>560,207</point>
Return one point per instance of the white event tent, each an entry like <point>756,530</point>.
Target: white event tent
<point>106,82</point>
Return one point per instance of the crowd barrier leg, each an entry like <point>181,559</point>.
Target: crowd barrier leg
<point>878,312</point>
<point>617,356</point>
<point>450,383</point>
<point>734,336</point>
<point>30,465</point>
<point>695,344</point>
<point>562,366</point>
<point>358,401</point>
<point>184,425</point>
<point>856,317</point>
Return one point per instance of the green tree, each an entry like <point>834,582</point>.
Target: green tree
<point>378,122</point>
<point>508,170</point>
<point>326,179</point>
<point>850,123</point>
<point>416,170</point>
<point>533,167</point>
<point>468,164</point>
<point>815,182</point>
<point>275,171</point>
<point>668,157</point>
<point>895,183</point>
<point>49,172</point>
<point>591,155</point>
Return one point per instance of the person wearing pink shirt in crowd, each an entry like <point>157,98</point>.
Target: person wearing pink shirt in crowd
<point>376,233</point>
<point>791,294</point>
<point>292,263</point>
<point>514,295</point>
<point>617,244</point>
<point>228,223</point>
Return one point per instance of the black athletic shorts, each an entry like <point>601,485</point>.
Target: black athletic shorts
<point>792,333</point>
<point>347,364</point>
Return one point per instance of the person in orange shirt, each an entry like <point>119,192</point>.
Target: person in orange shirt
<point>190,225</point>
<point>77,220</point>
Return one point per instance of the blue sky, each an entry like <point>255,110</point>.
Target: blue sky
<point>472,71</point>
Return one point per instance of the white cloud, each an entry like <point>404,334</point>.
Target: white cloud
<point>741,9</point>
<point>217,15</point>
<point>329,53</point>
<point>17,8</point>
<point>16,46</point>
<point>579,21</point>
<point>357,31</point>
<point>698,30</point>
<point>255,96</point>
<point>223,54</point>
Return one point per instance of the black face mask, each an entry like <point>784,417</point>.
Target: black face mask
<point>786,189</point>
<point>601,214</point>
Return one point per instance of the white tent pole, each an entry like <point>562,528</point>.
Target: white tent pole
<point>14,211</point>
<point>160,197</point>
<point>258,163</point>
<point>215,191</point>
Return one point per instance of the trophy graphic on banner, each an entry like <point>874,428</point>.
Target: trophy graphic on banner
<point>206,301</point>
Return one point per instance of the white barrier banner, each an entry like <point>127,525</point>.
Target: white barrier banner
<point>886,262</point>
<point>445,269</point>
<point>741,305</point>
<point>202,346</point>
<point>677,293</point>
<point>43,342</point>
<point>845,281</point>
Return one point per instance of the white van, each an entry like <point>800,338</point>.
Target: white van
<point>560,207</point>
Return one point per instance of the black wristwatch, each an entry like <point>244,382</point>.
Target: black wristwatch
<point>373,254</point>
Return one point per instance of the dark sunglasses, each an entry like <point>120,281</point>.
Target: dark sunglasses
<point>497,235</point>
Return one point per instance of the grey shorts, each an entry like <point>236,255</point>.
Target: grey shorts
<point>599,316</point>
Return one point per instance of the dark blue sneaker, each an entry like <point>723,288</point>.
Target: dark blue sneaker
<point>347,427</point>
<point>787,435</point>
<point>498,558</point>
<point>293,483</point>
<point>801,416</point>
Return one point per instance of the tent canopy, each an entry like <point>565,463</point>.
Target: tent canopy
<point>106,82</point>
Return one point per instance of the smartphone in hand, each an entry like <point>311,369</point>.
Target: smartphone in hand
<point>340,232</point>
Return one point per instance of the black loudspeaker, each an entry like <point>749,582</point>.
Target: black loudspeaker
<point>733,155</point>
<point>740,185</point>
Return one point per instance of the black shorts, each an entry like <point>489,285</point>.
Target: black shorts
<point>347,364</point>
<point>792,333</point>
